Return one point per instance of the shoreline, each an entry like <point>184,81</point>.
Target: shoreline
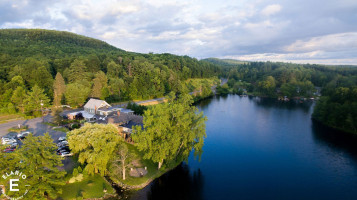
<point>122,188</point>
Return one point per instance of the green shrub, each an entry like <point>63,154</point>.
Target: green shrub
<point>75,172</point>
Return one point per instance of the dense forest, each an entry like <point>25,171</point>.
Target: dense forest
<point>39,68</point>
<point>335,86</point>
<point>44,67</point>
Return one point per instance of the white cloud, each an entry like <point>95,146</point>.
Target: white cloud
<point>331,42</point>
<point>249,29</point>
<point>310,57</point>
<point>271,9</point>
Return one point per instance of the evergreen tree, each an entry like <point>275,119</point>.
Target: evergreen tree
<point>76,71</point>
<point>41,165</point>
<point>36,100</point>
<point>59,88</point>
<point>100,84</point>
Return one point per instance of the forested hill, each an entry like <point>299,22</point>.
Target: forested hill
<point>19,42</point>
<point>51,64</point>
<point>225,62</point>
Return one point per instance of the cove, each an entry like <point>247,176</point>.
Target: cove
<point>260,148</point>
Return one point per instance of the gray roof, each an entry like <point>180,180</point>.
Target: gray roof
<point>124,118</point>
<point>124,110</point>
<point>96,103</point>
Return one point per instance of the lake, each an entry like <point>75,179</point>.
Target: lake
<point>263,149</point>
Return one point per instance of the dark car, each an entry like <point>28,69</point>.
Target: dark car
<point>63,148</point>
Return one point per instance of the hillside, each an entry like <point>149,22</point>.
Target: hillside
<point>30,42</point>
<point>32,60</point>
<point>225,62</point>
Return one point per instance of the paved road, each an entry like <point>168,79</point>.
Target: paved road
<point>150,100</point>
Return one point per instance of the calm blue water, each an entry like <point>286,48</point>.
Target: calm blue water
<point>263,149</point>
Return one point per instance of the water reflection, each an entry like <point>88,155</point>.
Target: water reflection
<point>180,183</point>
<point>334,139</point>
<point>260,148</point>
<point>276,104</point>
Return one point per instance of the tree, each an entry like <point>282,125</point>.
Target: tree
<point>95,145</point>
<point>76,71</point>
<point>15,82</point>
<point>18,98</point>
<point>59,88</point>
<point>41,165</point>
<point>116,86</point>
<point>76,94</point>
<point>267,86</point>
<point>121,159</point>
<point>171,130</point>
<point>100,84</point>
<point>114,70</point>
<point>36,100</point>
<point>42,78</point>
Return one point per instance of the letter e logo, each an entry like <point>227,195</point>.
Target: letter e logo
<point>12,184</point>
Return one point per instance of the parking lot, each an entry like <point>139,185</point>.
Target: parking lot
<point>35,126</point>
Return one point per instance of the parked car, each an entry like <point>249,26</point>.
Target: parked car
<point>63,143</point>
<point>13,145</point>
<point>65,148</point>
<point>22,135</point>
<point>9,149</point>
<point>66,154</point>
<point>62,151</point>
<point>8,140</point>
<point>61,139</point>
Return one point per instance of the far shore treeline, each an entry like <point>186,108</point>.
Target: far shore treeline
<point>54,67</point>
<point>334,86</point>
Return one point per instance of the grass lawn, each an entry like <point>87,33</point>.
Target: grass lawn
<point>89,187</point>
<point>50,124</point>
<point>9,117</point>
<point>62,129</point>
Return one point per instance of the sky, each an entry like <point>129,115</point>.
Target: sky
<point>298,31</point>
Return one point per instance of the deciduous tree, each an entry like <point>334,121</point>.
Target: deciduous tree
<point>94,144</point>
<point>76,94</point>
<point>171,130</point>
<point>18,98</point>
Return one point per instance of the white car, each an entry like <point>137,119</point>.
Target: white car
<point>22,135</point>
<point>6,140</point>
<point>61,139</point>
<point>66,154</point>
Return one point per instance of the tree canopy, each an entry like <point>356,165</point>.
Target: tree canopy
<point>171,130</point>
<point>94,144</point>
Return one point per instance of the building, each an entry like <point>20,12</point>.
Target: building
<point>96,106</point>
<point>100,111</point>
